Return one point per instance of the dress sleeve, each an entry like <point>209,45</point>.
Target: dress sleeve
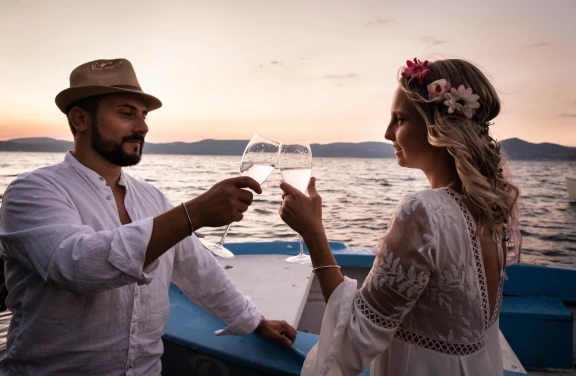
<point>360,324</point>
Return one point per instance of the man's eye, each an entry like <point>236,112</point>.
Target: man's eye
<point>126,113</point>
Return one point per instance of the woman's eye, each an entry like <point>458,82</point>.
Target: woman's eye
<point>399,120</point>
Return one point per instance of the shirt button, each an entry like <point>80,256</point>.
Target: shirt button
<point>108,198</point>
<point>101,179</point>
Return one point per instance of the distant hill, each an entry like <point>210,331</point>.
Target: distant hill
<point>40,144</point>
<point>520,149</point>
<point>514,147</point>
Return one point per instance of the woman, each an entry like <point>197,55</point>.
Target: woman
<point>431,302</point>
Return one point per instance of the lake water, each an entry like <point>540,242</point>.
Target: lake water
<point>359,196</point>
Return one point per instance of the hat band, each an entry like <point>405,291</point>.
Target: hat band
<point>129,87</point>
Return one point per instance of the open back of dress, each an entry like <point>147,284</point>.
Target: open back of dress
<point>424,308</point>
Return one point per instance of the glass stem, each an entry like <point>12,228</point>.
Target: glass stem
<point>221,242</point>
<point>301,246</point>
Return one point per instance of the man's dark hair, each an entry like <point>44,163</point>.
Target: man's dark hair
<point>90,105</point>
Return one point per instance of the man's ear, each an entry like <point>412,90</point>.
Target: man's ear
<point>80,119</point>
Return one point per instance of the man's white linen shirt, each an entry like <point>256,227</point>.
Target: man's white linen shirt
<point>82,302</point>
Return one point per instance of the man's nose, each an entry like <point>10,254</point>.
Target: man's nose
<point>141,126</point>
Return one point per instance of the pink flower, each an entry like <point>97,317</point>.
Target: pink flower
<point>437,89</point>
<point>416,69</point>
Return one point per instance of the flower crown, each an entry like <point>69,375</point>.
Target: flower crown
<point>459,100</point>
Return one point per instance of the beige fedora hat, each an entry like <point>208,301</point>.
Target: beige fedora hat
<point>103,77</point>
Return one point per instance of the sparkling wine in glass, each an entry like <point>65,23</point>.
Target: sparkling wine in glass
<point>295,163</point>
<point>258,162</point>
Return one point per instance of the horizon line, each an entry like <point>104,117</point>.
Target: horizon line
<point>317,143</point>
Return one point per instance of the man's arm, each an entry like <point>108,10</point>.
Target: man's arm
<point>201,277</point>
<point>223,204</point>
<point>42,229</point>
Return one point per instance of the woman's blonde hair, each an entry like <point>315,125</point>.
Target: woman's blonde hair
<point>478,157</point>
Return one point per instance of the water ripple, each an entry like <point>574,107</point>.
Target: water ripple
<point>359,197</point>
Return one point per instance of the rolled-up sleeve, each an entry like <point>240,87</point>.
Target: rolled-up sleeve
<point>43,230</point>
<point>201,277</point>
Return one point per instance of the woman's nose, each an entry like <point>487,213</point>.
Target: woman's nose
<point>389,134</point>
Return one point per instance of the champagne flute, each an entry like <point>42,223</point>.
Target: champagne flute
<point>295,164</point>
<point>258,162</point>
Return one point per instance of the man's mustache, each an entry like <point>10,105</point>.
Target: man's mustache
<point>133,138</point>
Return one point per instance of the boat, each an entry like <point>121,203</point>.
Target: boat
<point>571,187</point>
<point>536,319</point>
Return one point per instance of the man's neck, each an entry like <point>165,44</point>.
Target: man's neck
<point>94,161</point>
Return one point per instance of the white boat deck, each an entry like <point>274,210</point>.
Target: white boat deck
<point>279,289</point>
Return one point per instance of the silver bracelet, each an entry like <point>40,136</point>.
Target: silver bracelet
<point>189,220</point>
<point>326,266</point>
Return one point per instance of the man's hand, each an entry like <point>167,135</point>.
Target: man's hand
<point>224,203</point>
<point>279,331</point>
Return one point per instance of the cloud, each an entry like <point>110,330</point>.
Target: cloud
<point>271,63</point>
<point>341,76</point>
<point>380,21</point>
<point>433,40</point>
<point>537,45</point>
<point>567,116</point>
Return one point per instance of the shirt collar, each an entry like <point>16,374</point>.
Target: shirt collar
<point>91,174</point>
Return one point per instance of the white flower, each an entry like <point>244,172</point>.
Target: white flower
<point>437,89</point>
<point>462,100</point>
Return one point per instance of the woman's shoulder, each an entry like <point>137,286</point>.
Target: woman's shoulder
<point>428,198</point>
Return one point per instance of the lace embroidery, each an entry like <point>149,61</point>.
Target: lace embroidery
<point>443,347</point>
<point>477,255</point>
<point>496,311</point>
<point>371,314</point>
<point>391,273</point>
<point>407,206</point>
<point>470,335</point>
<point>457,277</point>
<point>471,281</point>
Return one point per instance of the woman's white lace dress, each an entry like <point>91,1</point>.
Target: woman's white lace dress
<point>423,309</point>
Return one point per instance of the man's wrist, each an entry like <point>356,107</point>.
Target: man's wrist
<point>194,215</point>
<point>260,324</point>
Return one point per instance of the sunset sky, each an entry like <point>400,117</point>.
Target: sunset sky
<point>319,70</point>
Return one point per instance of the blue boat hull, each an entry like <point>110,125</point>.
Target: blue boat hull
<point>534,320</point>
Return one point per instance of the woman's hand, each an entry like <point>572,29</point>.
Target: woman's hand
<point>303,214</point>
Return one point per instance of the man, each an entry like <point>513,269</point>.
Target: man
<point>90,252</point>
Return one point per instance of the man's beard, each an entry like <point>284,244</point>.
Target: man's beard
<point>113,151</point>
